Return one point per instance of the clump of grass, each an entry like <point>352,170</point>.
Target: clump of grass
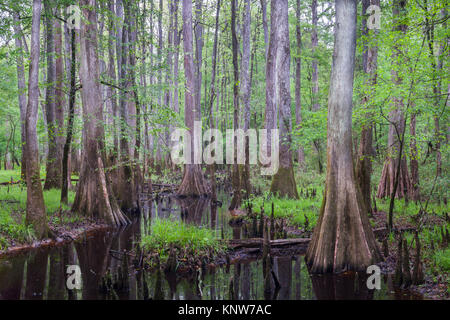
<point>12,226</point>
<point>442,259</point>
<point>13,202</point>
<point>52,198</point>
<point>294,211</point>
<point>165,233</point>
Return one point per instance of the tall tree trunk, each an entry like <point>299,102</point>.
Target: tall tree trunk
<point>134,97</point>
<point>212,167</point>
<point>365,152</point>
<point>193,183</point>
<point>94,197</point>
<point>270,116</point>
<point>65,160</point>
<point>36,213</point>
<point>236,176</point>
<point>53,168</point>
<point>111,91</point>
<point>265,25</point>
<point>21,87</point>
<point>414,161</point>
<point>176,40</point>
<point>298,81</point>
<point>198,31</point>
<point>343,238</point>
<point>283,182</point>
<point>388,184</point>
<point>168,98</point>
<point>246,92</point>
<point>315,75</point>
<point>126,183</point>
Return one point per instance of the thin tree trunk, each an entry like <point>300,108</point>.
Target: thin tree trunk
<point>298,81</point>
<point>65,161</point>
<point>315,75</point>
<point>36,214</point>
<point>212,167</point>
<point>236,179</point>
<point>365,153</point>
<point>389,183</point>
<point>53,169</point>
<point>198,32</point>
<point>414,161</point>
<point>271,118</point>
<point>246,92</point>
<point>21,87</point>
<point>283,182</point>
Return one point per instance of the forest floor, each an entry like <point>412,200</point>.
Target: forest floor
<point>16,237</point>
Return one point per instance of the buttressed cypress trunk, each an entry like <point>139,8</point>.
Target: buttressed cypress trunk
<point>397,124</point>
<point>193,183</point>
<point>343,238</point>
<point>36,213</point>
<point>283,182</point>
<point>94,197</point>
<point>365,152</point>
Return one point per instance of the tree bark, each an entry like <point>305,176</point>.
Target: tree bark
<point>212,167</point>
<point>65,161</point>
<point>271,118</point>
<point>236,177</point>
<point>315,75</point>
<point>343,239</point>
<point>246,92</point>
<point>283,182</point>
<point>365,152</point>
<point>36,214</point>
<point>126,192</point>
<point>21,87</point>
<point>53,167</point>
<point>298,81</point>
<point>193,183</point>
<point>94,197</point>
<point>396,128</point>
<point>414,161</point>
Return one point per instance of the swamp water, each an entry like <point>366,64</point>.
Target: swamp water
<point>41,273</point>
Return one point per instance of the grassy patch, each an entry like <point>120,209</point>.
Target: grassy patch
<point>13,201</point>
<point>189,239</point>
<point>294,211</point>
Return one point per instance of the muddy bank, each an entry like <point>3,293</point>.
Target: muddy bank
<point>63,234</point>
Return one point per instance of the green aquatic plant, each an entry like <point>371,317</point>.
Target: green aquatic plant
<point>165,233</point>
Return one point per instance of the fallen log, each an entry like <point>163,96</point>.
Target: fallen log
<point>258,242</point>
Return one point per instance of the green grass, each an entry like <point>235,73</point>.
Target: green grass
<point>442,259</point>
<point>410,208</point>
<point>165,232</point>
<point>6,175</point>
<point>13,201</point>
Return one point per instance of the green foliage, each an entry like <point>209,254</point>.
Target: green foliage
<point>442,259</point>
<point>165,232</point>
<point>13,201</point>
